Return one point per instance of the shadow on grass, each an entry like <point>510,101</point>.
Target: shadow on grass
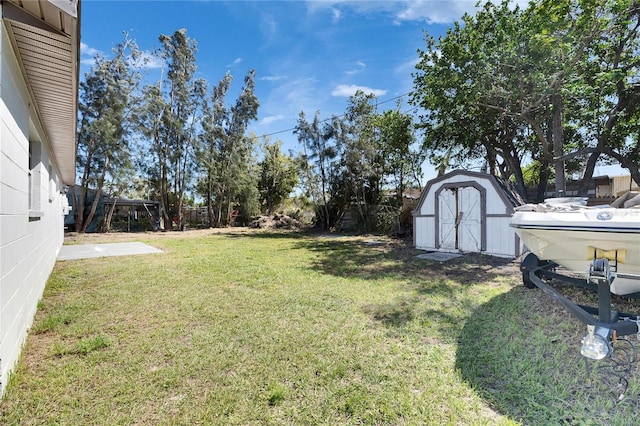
<point>521,353</point>
<point>345,257</point>
<point>261,234</point>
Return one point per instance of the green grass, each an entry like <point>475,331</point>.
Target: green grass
<point>276,328</point>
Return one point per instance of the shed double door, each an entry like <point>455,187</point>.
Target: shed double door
<point>460,219</point>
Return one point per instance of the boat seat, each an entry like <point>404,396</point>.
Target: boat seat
<point>627,201</point>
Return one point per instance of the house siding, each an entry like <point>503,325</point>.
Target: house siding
<point>28,246</point>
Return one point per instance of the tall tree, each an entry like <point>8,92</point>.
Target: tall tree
<point>215,117</point>
<point>171,117</point>
<point>551,83</point>
<point>459,79</point>
<point>318,158</point>
<point>278,176</point>
<point>607,93</point>
<point>103,146</point>
<point>361,165</point>
<point>151,124</point>
<point>401,165</point>
<point>228,151</point>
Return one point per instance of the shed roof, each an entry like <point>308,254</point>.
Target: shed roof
<point>504,188</point>
<point>46,38</point>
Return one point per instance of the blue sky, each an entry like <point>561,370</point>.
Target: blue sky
<point>309,55</point>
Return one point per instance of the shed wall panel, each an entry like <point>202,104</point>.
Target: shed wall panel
<point>502,241</point>
<point>425,235</point>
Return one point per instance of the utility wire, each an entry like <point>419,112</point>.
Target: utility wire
<point>339,116</point>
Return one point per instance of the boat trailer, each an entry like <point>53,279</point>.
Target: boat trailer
<point>609,324</point>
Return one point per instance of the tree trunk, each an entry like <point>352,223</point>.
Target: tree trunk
<point>80,195</point>
<point>583,190</point>
<point>106,224</point>
<point>558,145</point>
<point>96,200</point>
<point>164,199</point>
<point>218,209</point>
<point>544,181</point>
<point>209,205</point>
<point>92,212</point>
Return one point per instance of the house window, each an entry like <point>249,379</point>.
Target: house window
<point>35,179</point>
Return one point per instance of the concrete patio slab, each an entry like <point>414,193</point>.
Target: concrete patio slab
<point>439,256</point>
<point>85,251</point>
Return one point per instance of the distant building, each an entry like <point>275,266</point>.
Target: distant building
<point>614,186</point>
<point>39,50</point>
<point>128,215</point>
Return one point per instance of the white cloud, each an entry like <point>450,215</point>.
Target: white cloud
<point>290,96</point>
<point>272,119</point>
<point>148,60</point>
<point>431,11</point>
<point>88,61</point>
<point>360,66</point>
<point>435,12</point>
<point>442,12</point>
<point>86,50</point>
<point>346,90</point>
<point>272,78</point>
<point>268,26</point>
<point>234,63</point>
<point>336,15</point>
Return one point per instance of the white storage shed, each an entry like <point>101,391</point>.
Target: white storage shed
<point>467,212</point>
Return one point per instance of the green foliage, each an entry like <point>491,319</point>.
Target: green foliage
<point>247,199</point>
<point>387,220</point>
<point>173,115</point>
<point>226,153</point>
<point>347,161</point>
<point>532,174</point>
<point>318,163</point>
<point>278,177</point>
<point>103,150</point>
<point>554,82</point>
<point>400,164</point>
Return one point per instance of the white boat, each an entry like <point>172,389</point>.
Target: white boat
<point>571,234</point>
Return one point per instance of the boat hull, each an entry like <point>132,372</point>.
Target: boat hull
<point>572,239</point>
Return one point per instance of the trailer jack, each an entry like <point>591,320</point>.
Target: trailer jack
<point>608,325</point>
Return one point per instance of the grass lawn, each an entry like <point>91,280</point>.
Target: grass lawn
<point>283,328</point>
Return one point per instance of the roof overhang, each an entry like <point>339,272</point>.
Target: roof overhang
<point>46,38</point>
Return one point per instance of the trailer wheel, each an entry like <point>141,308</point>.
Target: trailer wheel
<point>526,280</point>
<point>529,261</point>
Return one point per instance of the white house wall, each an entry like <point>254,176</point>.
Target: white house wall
<point>29,242</point>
